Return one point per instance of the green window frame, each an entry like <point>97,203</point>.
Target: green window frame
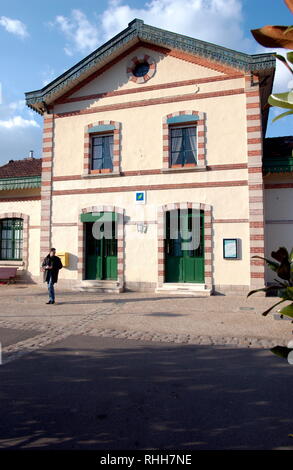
<point>183,145</point>
<point>11,239</point>
<point>102,152</point>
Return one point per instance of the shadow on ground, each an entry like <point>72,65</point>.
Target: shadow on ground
<point>102,393</point>
<point>10,336</point>
<point>100,298</point>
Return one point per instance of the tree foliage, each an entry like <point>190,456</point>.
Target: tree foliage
<point>279,37</point>
<point>282,265</point>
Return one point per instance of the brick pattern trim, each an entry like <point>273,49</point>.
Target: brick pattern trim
<point>25,244</point>
<point>210,64</point>
<point>255,180</point>
<point>64,224</point>
<point>141,59</point>
<point>151,102</point>
<point>102,70</point>
<point>46,185</point>
<point>208,263</point>
<point>200,137</point>
<point>117,189</point>
<point>88,149</point>
<point>120,240</point>
<point>226,166</point>
<point>163,86</point>
<point>230,221</point>
<point>203,62</point>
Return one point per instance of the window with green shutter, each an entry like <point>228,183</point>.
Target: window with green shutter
<point>11,239</point>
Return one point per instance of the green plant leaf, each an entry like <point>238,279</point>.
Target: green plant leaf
<point>281,351</point>
<point>284,61</point>
<point>290,54</point>
<point>263,289</point>
<point>281,283</point>
<point>289,293</point>
<point>282,100</point>
<point>284,270</point>
<point>271,264</point>
<point>283,294</point>
<point>271,308</point>
<point>282,115</point>
<point>288,311</point>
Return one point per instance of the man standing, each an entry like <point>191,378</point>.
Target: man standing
<point>51,266</point>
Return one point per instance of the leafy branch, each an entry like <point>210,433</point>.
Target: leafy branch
<point>279,37</point>
<point>282,265</point>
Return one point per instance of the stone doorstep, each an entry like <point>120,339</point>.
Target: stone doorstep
<point>101,290</point>
<point>196,290</point>
<point>101,286</point>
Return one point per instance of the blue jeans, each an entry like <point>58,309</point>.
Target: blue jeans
<point>51,289</point>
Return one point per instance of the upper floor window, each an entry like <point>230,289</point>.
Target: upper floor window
<point>102,148</point>
<point>11,239</point>
<point>102,152</point>
<point>183,146</point>
<point>184,141</point>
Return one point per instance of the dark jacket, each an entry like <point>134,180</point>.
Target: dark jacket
<point>56,264</point>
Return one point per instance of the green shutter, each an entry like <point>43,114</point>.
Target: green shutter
<point>94,216</point>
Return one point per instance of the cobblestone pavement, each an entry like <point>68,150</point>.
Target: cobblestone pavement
<point>217,320</point>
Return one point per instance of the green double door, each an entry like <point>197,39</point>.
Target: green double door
<point>184,260</point>
<point>100,253</point>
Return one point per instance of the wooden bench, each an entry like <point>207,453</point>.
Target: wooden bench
<point>8,274</point>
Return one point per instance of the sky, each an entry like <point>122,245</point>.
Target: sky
<point>40,40</point>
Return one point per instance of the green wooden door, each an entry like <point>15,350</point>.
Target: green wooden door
<point>110,258</point>
<point>183,264</point>
<point>101,254</point>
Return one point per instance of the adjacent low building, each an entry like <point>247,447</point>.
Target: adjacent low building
<point>152,131</point>
<point>20,212</point>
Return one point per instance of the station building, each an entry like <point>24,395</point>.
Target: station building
<point>151,125</point>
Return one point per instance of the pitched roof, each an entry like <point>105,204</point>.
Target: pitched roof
<point>21,168</point>
<point>135,33</point>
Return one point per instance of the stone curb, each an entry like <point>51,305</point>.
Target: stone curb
<point>248,342</point>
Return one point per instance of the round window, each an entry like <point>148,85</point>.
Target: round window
<point>141,69</point>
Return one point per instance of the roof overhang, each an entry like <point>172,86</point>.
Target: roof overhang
<point>24,182</point>
<point>135,33</point>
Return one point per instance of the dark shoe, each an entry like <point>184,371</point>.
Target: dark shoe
<point>50,301</point>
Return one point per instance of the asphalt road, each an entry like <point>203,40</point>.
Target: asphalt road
<point>104,393</point>
<point>10,336</point>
